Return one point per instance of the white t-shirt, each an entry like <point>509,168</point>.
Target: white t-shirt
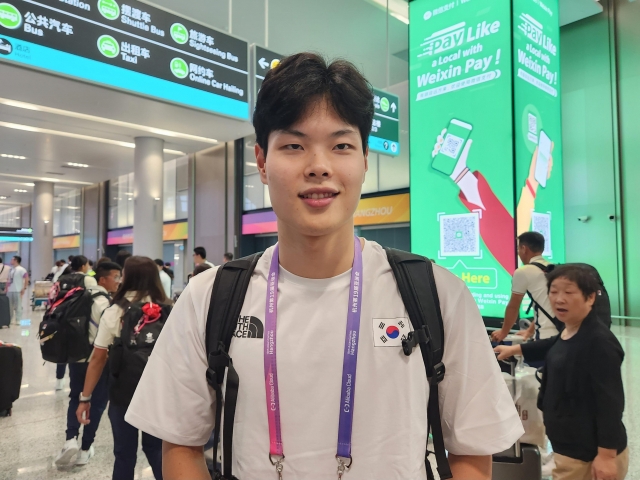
<point>174,402</point>
<point>5,271</point>
<point>533,279</point>
<point>17,277</point>
<point>166,283</point>
<point>59,272</point>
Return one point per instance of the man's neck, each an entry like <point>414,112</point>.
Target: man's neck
<point>316,257</point>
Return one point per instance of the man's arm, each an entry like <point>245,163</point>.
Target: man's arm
<point>25,284</point>
<point>183,463</point>
<point>510,317</point>
<point>470,467</point>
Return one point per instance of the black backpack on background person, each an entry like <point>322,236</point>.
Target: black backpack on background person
<point>601,306</point>
<point>416,283</point>
<point>142,323</point>
<point>64,330</point>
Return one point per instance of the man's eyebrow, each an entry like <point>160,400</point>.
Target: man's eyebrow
<point>296,133</point>
<point>344,131</point>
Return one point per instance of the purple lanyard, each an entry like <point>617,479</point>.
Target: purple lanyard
<point>347,398</point>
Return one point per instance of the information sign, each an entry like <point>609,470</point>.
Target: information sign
<point>385,131</point>
<point>129,45</point>
<point>264,60</point>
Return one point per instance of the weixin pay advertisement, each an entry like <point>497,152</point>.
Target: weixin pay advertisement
<point>462,197</point>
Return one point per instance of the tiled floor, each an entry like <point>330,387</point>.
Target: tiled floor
<point>30,438</point>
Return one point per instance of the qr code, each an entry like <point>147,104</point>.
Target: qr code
<point>533,124</point>
<point>451,146</point>
<point>460,235</point>
<point>541,223</point>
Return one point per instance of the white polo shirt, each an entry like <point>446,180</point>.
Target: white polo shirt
<point>174,402</point>
<point>533,279</point>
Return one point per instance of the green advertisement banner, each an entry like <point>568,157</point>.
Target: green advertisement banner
<point>462,169</point>
<point>538,123</point>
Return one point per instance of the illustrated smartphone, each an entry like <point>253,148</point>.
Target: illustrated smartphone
<point>454,141</point>
<point>542,163</point>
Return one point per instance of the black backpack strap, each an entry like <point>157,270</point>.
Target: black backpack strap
<point>417,286</point>
<point>546,269</point>
<point>229,289</point>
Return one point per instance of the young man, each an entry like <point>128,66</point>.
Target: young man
<point>165,279</point>
<point>62,266</point>
<point>227,257</point>
<point>529,278</point>
<point>312,123</point>
<point>18,283</point>
<point>108,276</point>
<point>200,257</point>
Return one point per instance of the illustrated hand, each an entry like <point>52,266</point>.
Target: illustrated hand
<point>604,467</point>
<point>505,351</point>
<point>498,336</point>
<point>461,165</point>
<point>532,168</point>
<point>82,413</point>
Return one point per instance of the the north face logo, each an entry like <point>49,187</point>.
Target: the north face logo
<point>249,327</point>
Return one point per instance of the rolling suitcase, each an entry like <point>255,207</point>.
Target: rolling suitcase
<point>5,311</point>
<point>10,376</point>
<point>522,461</point>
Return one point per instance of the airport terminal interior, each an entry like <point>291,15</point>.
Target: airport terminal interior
<point>126,129</point>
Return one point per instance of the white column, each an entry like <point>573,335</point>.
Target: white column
<point>42,225</point>
<point>147,196</point>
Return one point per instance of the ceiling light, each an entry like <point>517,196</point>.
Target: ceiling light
<point>77,165</point>
<point>3,197</point>
<point>32,177</point>
<point>6,155</point>
<point>19,190</point>
<point>157,131</point>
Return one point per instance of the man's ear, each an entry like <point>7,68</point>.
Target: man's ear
<point>366,163</point>
<point>261,161</point>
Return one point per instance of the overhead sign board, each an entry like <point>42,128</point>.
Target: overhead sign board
<point>385,131</point>
<point>264,60</point>
<point>132,46</point>
<point>9,234</point>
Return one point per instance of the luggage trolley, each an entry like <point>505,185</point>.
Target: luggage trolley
<point>521,461</point>
<point>40,297</point>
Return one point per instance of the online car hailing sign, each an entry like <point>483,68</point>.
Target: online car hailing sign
<point>385,130</point>
<point>132,46</point>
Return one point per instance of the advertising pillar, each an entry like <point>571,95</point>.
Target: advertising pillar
<point>42,225</point>
<point>485,137</point>
<point>147,197</point>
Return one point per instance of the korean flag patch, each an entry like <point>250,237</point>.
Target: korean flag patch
<point>389,332</point>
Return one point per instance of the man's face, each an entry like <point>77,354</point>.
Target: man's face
<point>111,282</point>
<point>314,171</point>
<point>522,253</point>
<point>14,262</point>
<point>197,259</point>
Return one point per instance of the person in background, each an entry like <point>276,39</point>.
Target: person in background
<point>121,257</point>
<point>62,267</point>
<point>169,271</point>
<point>91,271</point>
<point>529,278</point>
<point>107,280</point>
<point>200,268</point>
<point>164,278</point>
<point>18,283</point>
<point>102,260</point>
<point>141,283</point>
<point>227,257</point>
<point>200,257</point>
<point>581,395</point>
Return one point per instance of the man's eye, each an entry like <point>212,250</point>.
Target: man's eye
<point>343,146</point>
<point>293,146</point>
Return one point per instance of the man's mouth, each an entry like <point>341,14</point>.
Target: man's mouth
<point>317,196</point>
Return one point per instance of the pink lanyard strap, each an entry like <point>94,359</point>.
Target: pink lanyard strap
<point>347,399</point>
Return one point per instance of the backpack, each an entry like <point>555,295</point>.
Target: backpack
<point>64,330</point>
<point>416,283</point>
<point>142,323</point>
<point>601,306</point>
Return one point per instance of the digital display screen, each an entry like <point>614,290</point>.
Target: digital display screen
<point>385,130</point>
<point>462,168</point>
<point>132,46</point>
<point>538,124</point>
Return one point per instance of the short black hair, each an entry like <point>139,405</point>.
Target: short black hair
<point>122,256</point>
<point>200,251</point>
<point>78,262</point>
<point>90,263</point>
<point>582,277</point>
<point>104,269</point>
<point>18,258</point>
<point>70,258</point>
<point>533,240</point>
<point>200,268</point>
<point>302,79</point>
<point>228,256</point>
<point>159,262</point>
